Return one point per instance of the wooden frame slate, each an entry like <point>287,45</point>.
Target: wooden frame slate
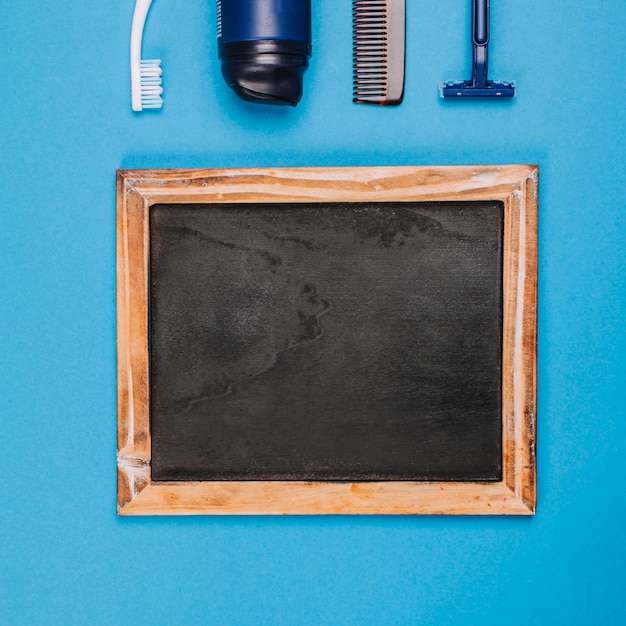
<point>516,186</point>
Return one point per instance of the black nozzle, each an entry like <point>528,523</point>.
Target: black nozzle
<point>268,71</point>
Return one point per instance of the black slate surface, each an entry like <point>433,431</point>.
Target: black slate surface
<point>326,341</point>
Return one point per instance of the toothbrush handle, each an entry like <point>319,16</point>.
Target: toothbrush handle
<point>139,20</point>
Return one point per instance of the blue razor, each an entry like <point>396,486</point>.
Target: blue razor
<point>479,86</point>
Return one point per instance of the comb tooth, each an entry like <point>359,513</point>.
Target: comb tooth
<point>378,50</point>
<point>369,39</point>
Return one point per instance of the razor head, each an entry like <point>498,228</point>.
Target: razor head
<point>468,89</point>
<point>378,41</point>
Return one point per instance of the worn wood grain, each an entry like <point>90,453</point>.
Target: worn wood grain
<point>515,186</point>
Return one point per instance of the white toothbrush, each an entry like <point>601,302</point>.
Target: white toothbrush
<point>145,74</point>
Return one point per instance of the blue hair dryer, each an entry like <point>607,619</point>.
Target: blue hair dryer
<point>264,47</point>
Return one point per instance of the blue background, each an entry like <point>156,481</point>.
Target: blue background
<point>66,125</point>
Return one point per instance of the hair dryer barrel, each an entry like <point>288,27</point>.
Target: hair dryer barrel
<point>264,47</point>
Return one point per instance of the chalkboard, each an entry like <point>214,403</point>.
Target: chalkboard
<point>316,341</point>
<point>326,341</point>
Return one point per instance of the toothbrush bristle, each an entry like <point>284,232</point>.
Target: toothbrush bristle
<point>151,82</point>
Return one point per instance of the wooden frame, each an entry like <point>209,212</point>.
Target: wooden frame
<point>516,186</point>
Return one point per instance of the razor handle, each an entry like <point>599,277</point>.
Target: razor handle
<point>480,42</point>
<point>264,48</point>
